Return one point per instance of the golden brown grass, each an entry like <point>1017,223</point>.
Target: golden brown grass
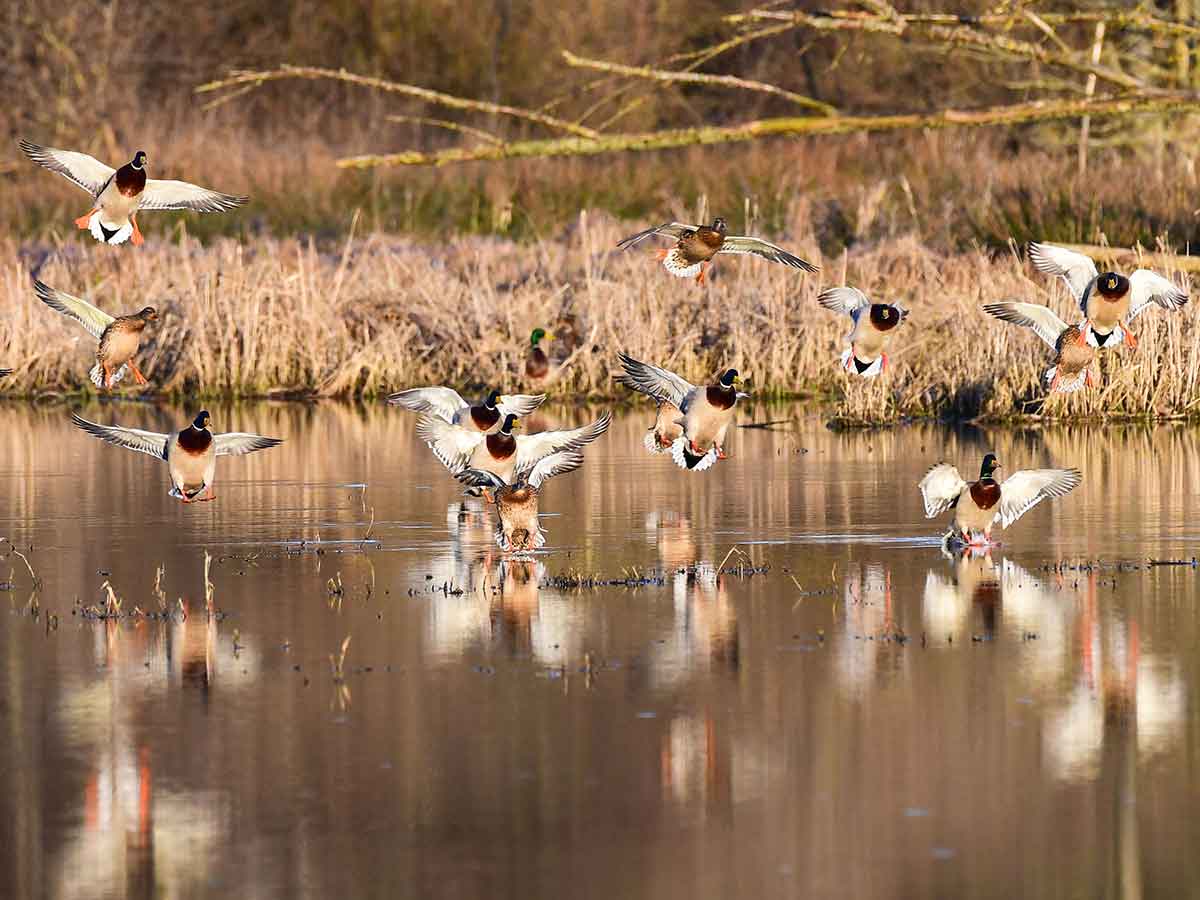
<point>378,313</point>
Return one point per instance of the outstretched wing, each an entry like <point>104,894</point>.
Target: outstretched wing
<point>160,194</point>
<point>519,405</point>
<point>93,319</point>
<point>1146,287</point>
<point>85,171</point>
<point>480,479</point>
<point>940,489</point>
<point>149,442</point>
<point>531,448</point>
<point>741,244</point>
<point>1077,270</point>
<point>239,443</point>
<point>669,229</point>
<point>653,381</point>
<point>555,464</point>
<point>1041,319</point>
<point>847,301</point>
<point>442,402</point>
<point>452,445</point>
<point>1024,490</point>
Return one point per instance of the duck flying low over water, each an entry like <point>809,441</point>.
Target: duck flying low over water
<point>705,413</point>
<point>190,453</point>
<point>120,337</point>
<point>874,325</point>
<point>518,529</point>
<point>451,408</point>
<point>696,245</point>
<point>118,195</point>
<point>979,505</point>
<point>502,453</point>
<point>1109,301</point>
<point>1073,355</point>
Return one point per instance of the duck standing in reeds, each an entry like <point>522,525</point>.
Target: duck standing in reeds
<point>979,505</point>
<point>874,327</point>
<point>537,363</point>
<point>1073,355</point>
<point>118,195</point>
<point>705,413</point>
<point>1109,301</point>
<point>190,453</point>
<point>518,529</point>
<point>501,452</point>
<point>120,337</point>
<point>449,406</point>
<point>696,245</point>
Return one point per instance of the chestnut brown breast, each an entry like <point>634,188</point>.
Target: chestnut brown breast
<point>985,495</point>
<point>484,418</point>
<point>720,397</point>
<point>195,442</point>
<point>501,446</point>
<point>131,181</point>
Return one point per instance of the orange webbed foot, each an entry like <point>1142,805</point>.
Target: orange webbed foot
<point>137,373</point>
<point>660,253</point>
<point>137,238</point>
<point>84,221</point>
<point>1131,340</point>
<point>721,454</point>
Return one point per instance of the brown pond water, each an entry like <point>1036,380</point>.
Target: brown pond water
<point>866,719</point>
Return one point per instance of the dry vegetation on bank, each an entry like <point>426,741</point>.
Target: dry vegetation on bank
<point>377,313</point>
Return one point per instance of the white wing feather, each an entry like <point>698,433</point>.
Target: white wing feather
<point>1025,489</point>
<point>531,448</point>
<point>239,443</point>
<point>160,194</point>
<point>1146,287</point>
<point>940,488</point>
<point>554,464</point>
<point>452,445</point>
<point>1075,269</point>
<point>149,442</point>
<point>93,319</point>
<point>442,402</point>
<point>844,300</point>
<point>653,381</point>
<point>1041,319</point>
<point>85,171</point>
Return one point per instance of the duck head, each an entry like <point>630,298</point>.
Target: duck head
<point>492,399</point>
<point>885,317</point>
<point>148,314</point>
<point>719,225</point>
<point>510,422</point>
<point>139,160</point>
<point>539,335</point>
<point>1112,286</point>
<point>202,421</point>
<point>729,378</point>
<point>989,467</point>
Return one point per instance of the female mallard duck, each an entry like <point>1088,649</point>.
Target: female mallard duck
<point>705,413</point>
<point>451,408</point>
<point>1073,355</point>
<point>696,245</point>
<point>874,324</point>
<point>501,453</point>
<point>661,436</point>
<point>1110,302</point>
<point>190,453</point>
<point>120,337</point>
<point>118,195</point>
<point>518,529</point>
<point>978,506</point>
<point>537,363</point>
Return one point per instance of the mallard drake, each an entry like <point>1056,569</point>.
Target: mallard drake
<point>518,529</point>
<point>1073,355</point>
<point>696,245</point>
<point>501,453</point>
<point>119,337</point>
<point>118,195</point>
<point>190,453</point>
<point>874,324</point>
<point>537,363</point>
<point>705,413</point>
<point>1109,301</point>
<point>451,408</point>
<point>979,505</point>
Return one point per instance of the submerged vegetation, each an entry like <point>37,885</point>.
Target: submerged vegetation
<point>372,314</point>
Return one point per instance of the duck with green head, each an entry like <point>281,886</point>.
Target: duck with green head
<point>537,363</point>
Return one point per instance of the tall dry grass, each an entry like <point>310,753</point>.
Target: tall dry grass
<point>377,313</point>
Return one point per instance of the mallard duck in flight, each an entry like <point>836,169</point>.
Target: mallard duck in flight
<point>696,245</point>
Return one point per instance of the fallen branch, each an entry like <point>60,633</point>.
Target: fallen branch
<point>254,79</point>
<point>1014,114</point>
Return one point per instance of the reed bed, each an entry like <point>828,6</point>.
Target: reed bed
<point>371,314</point>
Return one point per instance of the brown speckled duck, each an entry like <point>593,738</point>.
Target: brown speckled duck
<point>190,453</point>
<point>1073,355</point>
<point>1109,301</point>
<point>119,337</point>
<point>979,505</point>
<point>118,195</point>
<point>696,245</point>
<point>518,529</point>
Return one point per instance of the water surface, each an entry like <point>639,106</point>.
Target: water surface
<point>852,714</point>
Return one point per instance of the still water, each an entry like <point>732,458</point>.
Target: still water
<point>865,718</point>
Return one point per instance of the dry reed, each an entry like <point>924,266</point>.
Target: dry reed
<point>379,313</point>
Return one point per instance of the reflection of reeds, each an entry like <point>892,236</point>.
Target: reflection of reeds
<point>283,317</point>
